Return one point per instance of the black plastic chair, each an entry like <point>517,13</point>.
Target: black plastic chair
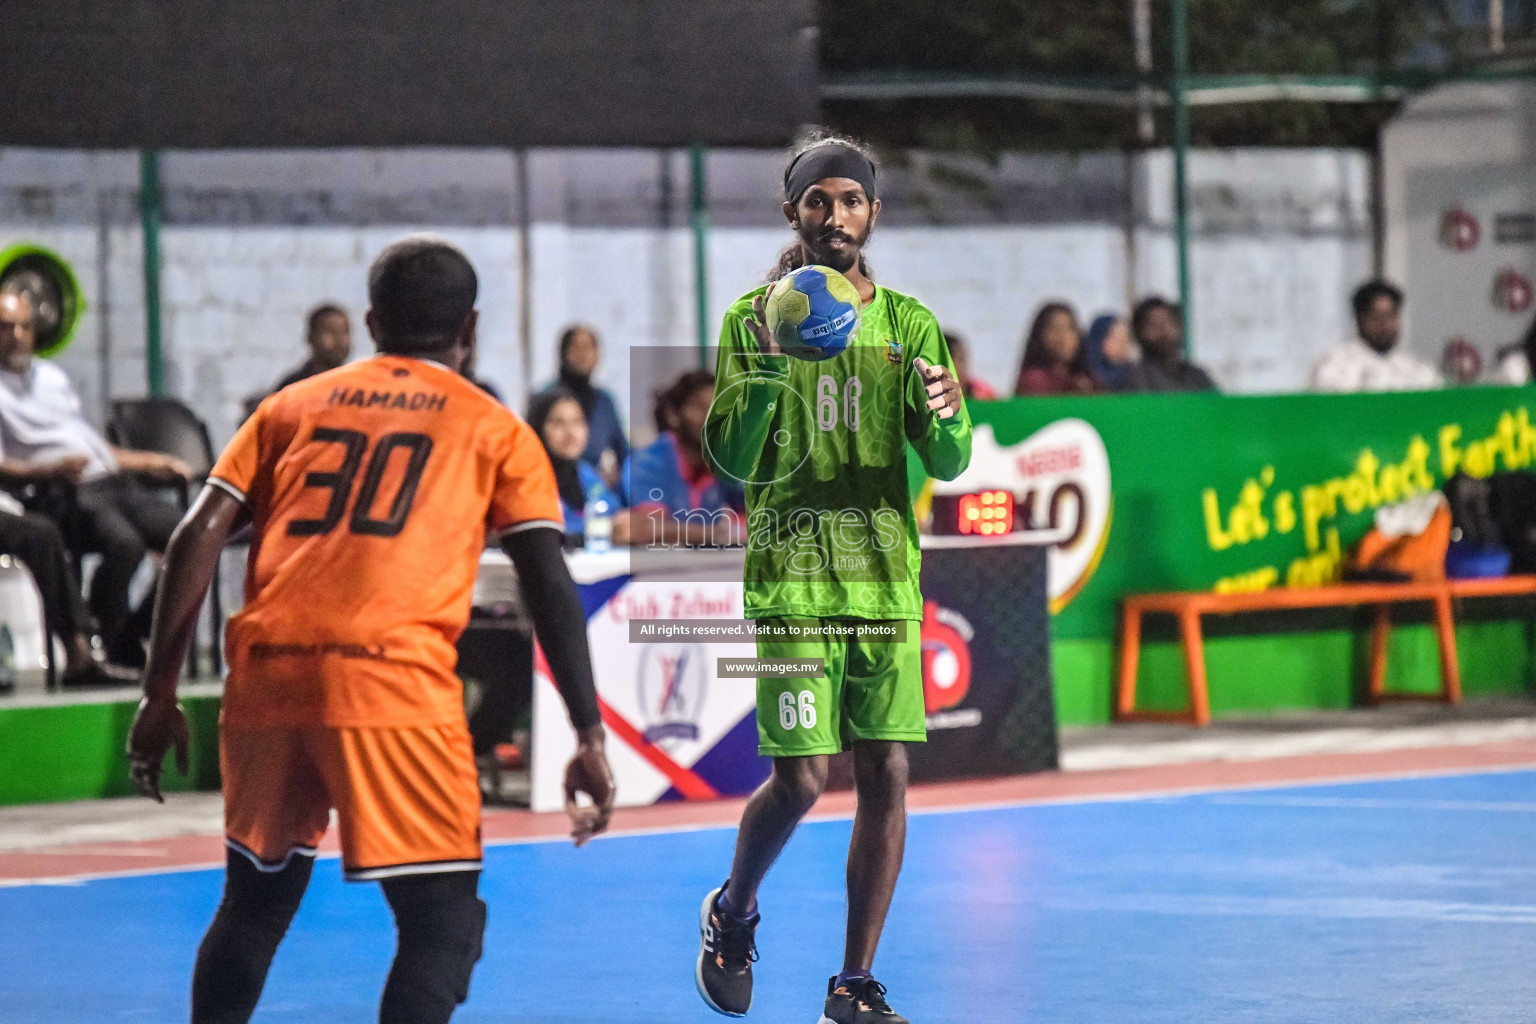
<point>165,425</point>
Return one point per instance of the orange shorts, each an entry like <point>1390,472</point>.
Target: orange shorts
<point>407,801</point>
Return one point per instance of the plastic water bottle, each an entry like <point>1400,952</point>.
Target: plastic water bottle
<point>597,522</point>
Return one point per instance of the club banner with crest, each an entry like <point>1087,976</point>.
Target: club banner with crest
<point>678,731</point>
<point>675,729</point>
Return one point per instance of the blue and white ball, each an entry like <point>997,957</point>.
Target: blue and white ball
<point>813,313</point>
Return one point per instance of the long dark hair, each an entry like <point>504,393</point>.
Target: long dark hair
<point>675,395</point>
<point>1035,352</point>
<point>568,338</point>
<point>792,256</point>
<point>567,473</point>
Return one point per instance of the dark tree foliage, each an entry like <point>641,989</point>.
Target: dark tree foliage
<point>1090,41</point>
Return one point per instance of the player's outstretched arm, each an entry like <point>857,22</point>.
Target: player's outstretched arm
<point>190,560</point>
<point>561,626</point>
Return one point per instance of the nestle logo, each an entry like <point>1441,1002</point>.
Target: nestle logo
<point>1050,460</point>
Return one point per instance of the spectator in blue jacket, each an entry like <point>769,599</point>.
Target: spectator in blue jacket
<point>555,415</point>
<point>1107,350</point>
<point>669,482</point>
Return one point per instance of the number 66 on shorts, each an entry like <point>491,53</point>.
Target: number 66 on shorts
<point>797,710</point>
<point>795,717</point>
<point>868,689</point>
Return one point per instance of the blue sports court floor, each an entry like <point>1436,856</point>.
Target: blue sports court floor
<point>1390,901</point>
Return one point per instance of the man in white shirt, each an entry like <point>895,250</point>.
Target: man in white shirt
<point>1372,361</point>
<point>45,436</point>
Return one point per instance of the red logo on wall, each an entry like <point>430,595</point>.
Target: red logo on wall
<point>1459,230</point>
<point>1512,291</point>
<point>1461,362</point>
<point>946,660</point>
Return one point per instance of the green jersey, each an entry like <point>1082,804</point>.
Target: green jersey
<point>821,449</point>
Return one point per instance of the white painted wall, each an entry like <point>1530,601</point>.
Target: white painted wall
<point>1470,146</point>
<point>254,239</point>
<point>1282,237</point>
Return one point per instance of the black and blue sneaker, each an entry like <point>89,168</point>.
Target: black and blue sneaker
<point>727,949</point>
<point>858,1002</point>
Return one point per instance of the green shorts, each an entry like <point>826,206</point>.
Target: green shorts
<point>871,690</point>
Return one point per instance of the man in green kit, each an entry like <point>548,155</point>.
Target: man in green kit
<point>831,568</point>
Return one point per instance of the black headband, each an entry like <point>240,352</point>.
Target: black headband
<point>829,160</point>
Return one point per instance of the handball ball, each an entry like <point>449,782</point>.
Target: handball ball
<point>813,312</point>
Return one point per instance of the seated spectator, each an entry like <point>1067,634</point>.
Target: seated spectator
<point>35,541</point>
<point>668,485</point>
<point>556,417</point>
<point>1372,361</point>
<point>45,436</point>
<point>1054,362</point>
<point>328,334</point>
<point>959,353</point>
<point>1158,326</point>
<point>1107,351</point>
<point>329,337</point>
<point>607,447</point>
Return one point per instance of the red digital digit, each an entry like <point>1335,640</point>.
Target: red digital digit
<point>988,514</point>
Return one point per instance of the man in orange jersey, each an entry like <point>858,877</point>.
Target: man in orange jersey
<point>370,489</point>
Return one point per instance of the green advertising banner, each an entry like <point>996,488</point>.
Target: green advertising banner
<point>1226,492</point>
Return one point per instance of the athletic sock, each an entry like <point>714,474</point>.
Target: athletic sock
<point>726,908</point>
<point>845,978</point>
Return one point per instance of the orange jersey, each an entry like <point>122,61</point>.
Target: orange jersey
<point>371,488</point>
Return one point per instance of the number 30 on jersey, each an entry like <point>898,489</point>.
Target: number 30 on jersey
<point>354,445</point>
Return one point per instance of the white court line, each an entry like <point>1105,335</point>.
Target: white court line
<point>1396,805</point>
<point>1250,747</point>
<point>993,805</point>
<point>1326,907</point>
<point>86,850</point>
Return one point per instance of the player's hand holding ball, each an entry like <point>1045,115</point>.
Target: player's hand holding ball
<point>811,313</point>
<point>588,773</point>
<point>939,384</point>
<point>757,323</point>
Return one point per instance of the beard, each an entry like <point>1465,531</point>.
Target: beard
<point>17,361</point>
<point>1163,349</point>
<point>820,248</point>
<point>1382,344</point>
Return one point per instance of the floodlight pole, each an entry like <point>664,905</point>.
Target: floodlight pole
<point>1146,138</point>
<point>1177,87</point>
<point>700,221</point>
<point>524,272</point>
<point>149,219</point>
<point>1141,30</point>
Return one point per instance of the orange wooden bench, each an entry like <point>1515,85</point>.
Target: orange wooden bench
<point>1189,607</point>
